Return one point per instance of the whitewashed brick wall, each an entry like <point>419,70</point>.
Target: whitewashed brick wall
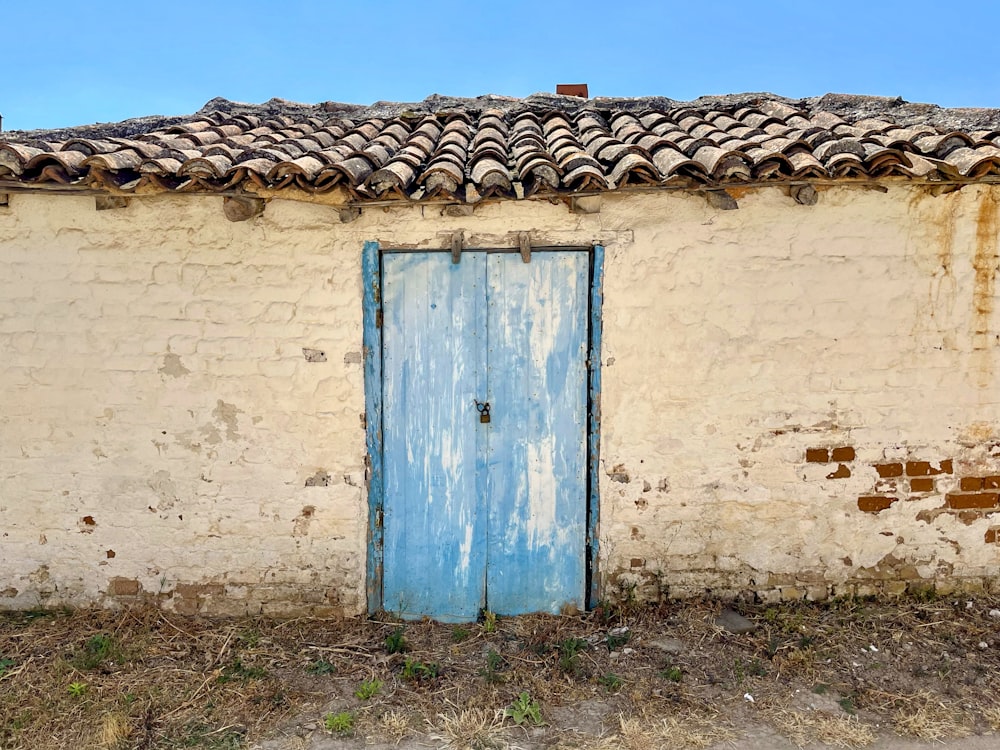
<point>163,434</point>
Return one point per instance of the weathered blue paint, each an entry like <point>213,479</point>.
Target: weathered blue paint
<point>594,426</point>
<point>371,277</point>
<point>537,463</point>
<point>484,515</point>
<point>434,368</point>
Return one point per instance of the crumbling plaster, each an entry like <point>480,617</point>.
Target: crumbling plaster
<point>194,387</point>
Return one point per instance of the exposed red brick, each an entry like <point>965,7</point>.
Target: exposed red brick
<point>991,536</point>
<point>124,587</point>
<point>845,453</point>
<point>887,471</point>
<point>991,483</point>
<point>926,469</point>
<point>970,484</point>
<point>973,500</point>
<point>842,472</point>
<point>637,562</point>
<point>817,455</point>
<point>110,553</point>
<point>875,503</point>
<point>193,590</point>
<point>89,521</point>
<point>947,467</point>
<point>923,484</point>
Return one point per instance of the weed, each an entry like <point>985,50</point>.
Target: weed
<point>321,666</point>
<point>611,682</point>
<point>95,650</point>
<point>672,673</point>
<point>820,688</point>
<point>606,612</point>
<point>752,668</point>
<point>617,639</point>
<point>206,738</point>
<point>5,665</point>
<point>459,634</point>
<point>341,723</point>
<point>489,621</point>
<point>773,646</point>
<point>494,665</point>
<point>368,689</point>
<point>847,703</point>
<point>395,642</point>
<point>569,655</point>
<point>417,671</point>
<point>77,689</point>
<point>237,670</point>
<point>249,638</point>
<point>524,710</point>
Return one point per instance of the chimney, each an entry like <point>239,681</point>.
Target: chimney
<point>573,89</point>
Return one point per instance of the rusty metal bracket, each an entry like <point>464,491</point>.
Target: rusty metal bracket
<point>457,245</point>
<point>524,242</point>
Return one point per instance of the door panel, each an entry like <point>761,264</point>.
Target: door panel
<point>537,464</point>
<point>434,325</point>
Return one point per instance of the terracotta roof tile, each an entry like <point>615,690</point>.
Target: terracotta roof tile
<point>510,148</point>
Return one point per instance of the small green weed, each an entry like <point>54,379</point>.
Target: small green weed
<point>341,723</point>
<point>611,682</point>
<point>489,621</point>
<point>569,655</point>
<point>95,650</point>
<point>524,710</point>
<point>237,670</point>
<point>248,638</point>
<point>752,668</point>
<point>320,667</point>
<point>494,665</point>
<point>460,634</point>
<point>368,689</point>
<point>5,665</point>
<point>820,688</point>
<point>395,642</point>
<point>206,737</point>
<point>417,671</point>
<point>672,673</point>
<point>618,639</point>
<point>77,689</point>
<point>848,705</point>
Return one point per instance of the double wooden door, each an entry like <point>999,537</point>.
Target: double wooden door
<point>484,405</point>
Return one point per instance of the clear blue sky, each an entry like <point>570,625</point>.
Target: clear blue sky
<point>69,63</point>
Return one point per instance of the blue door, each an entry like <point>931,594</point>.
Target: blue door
<point>484,514</point>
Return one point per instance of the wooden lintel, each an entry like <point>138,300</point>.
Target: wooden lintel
<point>457,245</point>
<point>524,242</point>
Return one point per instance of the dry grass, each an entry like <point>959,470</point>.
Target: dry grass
<point>472,729</point>
<point>147,680</point>
<point>816,727</point>
<point>929,718</point>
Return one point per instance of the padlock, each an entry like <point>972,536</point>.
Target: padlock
<point>484,411</point>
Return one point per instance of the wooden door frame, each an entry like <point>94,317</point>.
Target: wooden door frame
<point>371,273</point>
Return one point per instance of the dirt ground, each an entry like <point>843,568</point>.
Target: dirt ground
<point>699,674</point>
